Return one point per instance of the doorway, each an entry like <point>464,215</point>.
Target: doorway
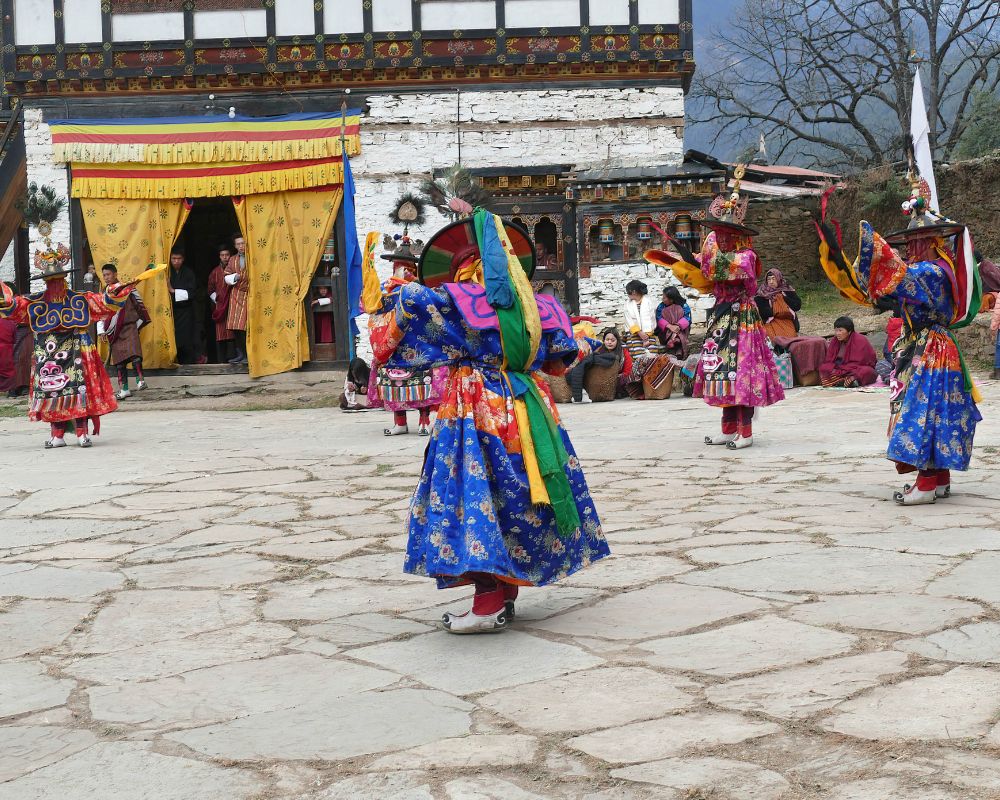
<point>211,222</point>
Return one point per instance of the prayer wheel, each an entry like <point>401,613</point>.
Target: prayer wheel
<point>682,227</point>
<point>330,250</point>
<point>606,231</point>
<point>644,229</point>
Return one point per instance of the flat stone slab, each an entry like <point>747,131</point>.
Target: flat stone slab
<point>900,613</point>
<point>24,687</point>
<point>485,750</point>
<point>623,572</point>
<point>240,689</point>
<point>319,601</point>
<point>741,553</point>
<point>371,567</point>
<point>670,736</point>
<point>311,547</point>
<point>597,698</point>
<point>487,787</point>
<point>363,629</point>
<point>128,771</point>
<point>222,572</point>
<point>959,703</point>
<point>800,692</point>
<point>747,647</point>
<point>978,643</point>
<point>737,780</point>
<point>829,570</point>
<point>25,748</point>
<point>654,611</point>
<point>408,785</point>
<point>975,579</point>
<point>41,581</point>
<point>140,617</point>
<point>481,664</point>
<point>238,480</point>
<point>174,656</point>
<point>971,770</point>
<point>336,728</point>
<point>890,789</point>
<point>33,625</point>
<point>937,541</point>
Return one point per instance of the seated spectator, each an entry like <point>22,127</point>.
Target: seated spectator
<point>673,323</point>
<point>609,352</point>
<point>640,319</point>
<point>850,357</point>
<point>355,394</point>
<point>778,305</point>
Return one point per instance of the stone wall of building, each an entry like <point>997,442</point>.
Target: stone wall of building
<point>407,136</point>
<point>603,294</point>
<point>788,239</point>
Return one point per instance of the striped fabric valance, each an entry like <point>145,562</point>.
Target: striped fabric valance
<point>146,182</point>
<point>206,140</point>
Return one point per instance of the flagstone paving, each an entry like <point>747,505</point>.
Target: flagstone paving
<point>234,625</point>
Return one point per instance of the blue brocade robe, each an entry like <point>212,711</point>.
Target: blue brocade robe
<point>472,511</point>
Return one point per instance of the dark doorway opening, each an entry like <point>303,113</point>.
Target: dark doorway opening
<point>212,222</point>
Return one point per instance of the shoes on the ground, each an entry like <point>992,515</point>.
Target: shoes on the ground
<point>121,394</point>
<point>140,385</point>
<point>55,442</point>
<point>396,430</point>
<point>941,492</point>
<point>201,360</point>
<point>912,496</point>
<point>424,430</point>
<point>235,359</point>
<point>509,596</point>
<point>84,441</point>
<point>722,438</point>
<point>740,442</point>
<point>475,623</point>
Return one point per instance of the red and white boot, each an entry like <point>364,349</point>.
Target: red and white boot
<point>487,615</point>
<point>943,489</point>
<point>921,493</point>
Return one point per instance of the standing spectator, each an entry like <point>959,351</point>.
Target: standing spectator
<point>239,287</point>
<point>182,285</point>
<point>995,327</point>
<point>122,332</point>
<point>218,293</point>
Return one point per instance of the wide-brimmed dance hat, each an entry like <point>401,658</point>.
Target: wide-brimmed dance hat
<point>453,246</point>
<point>924,222</point>
<point>726,214</point>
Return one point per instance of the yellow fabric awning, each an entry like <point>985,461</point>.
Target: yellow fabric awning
<point>207,140</point>
<point>153,182</point>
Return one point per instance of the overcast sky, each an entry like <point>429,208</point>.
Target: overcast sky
<point>708,14</point>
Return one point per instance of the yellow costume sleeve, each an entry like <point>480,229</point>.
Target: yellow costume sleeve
<point>688,274</point>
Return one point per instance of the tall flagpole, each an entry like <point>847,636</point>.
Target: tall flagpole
<point>345,167</point>
<point>920,131</point>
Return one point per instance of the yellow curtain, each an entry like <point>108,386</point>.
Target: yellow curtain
<point>285,234</point>
<point>132,234</point>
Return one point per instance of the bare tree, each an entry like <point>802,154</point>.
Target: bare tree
<point>830,80</point>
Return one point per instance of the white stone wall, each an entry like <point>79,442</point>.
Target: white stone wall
<point>43,170</point>
<point>406,136</point>
<point>7,263</point>
<point>603,294</point>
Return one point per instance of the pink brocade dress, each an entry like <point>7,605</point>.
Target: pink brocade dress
<point>737,366</point>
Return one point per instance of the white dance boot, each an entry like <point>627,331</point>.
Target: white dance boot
<point>722,438</point>
<point>912,496</point>
<point>740,442</point>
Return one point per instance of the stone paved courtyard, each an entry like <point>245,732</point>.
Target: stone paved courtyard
<point>214,610</point>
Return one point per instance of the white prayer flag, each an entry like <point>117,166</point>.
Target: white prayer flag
<point>920,130</point>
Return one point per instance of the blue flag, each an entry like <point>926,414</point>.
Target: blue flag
<point>352,253</point>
